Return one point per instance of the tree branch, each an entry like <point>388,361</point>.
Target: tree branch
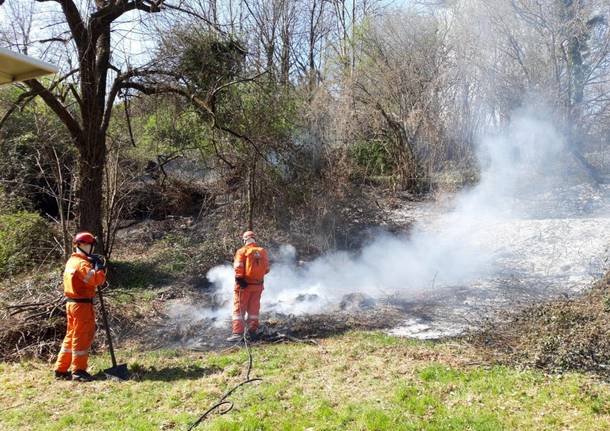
<point>62,112</point>
<point>112,11</point>
<point>150,90</point>
<point>76,24</point>
<point>128,120</point>
<point>237,81</point>
<point>118,85</point>
<point>28,96</point>
<point>54,39</point>
<point>198,102</point>
<point>213,25</point>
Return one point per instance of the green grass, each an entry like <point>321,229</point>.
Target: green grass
<point>359,381</point>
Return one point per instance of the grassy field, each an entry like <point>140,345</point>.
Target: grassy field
<point>358,381</point>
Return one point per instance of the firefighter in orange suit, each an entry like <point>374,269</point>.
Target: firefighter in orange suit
<point>84,273</point>
<point>251,264</point>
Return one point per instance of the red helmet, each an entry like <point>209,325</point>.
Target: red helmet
<point>84,238</point>
<point>248,234</point>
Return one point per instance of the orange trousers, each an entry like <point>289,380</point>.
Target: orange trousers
<point>248,301</point>
<point>79,337</point>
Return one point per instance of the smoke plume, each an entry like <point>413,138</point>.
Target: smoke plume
<point>455,247</point>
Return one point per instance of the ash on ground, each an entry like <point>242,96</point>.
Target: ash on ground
<point>186,326</point>
<point>556,247</point>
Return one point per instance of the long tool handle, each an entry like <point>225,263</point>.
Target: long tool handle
<point>105,319</point>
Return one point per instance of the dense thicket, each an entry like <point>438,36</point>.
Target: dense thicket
<point>283,104</point>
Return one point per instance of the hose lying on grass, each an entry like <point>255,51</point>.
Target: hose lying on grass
<point>223,400</point>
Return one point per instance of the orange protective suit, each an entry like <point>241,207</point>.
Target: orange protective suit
<point>80,283</point>
<point>251,263</point>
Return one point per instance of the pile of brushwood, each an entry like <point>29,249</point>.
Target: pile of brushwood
<point>563,335</point>
<point>32,320</point>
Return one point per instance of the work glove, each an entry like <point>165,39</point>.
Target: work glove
<point>98,261</point>
<point>241,282</point>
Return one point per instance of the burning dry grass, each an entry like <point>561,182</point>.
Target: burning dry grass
<point>176,323</point>
<point>565,334</point>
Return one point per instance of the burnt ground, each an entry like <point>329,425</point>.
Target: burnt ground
<point>554,253</point>
<point>555,246</point>
<point>160,263</point>
<point>176,324</point>
<point>543,264</point>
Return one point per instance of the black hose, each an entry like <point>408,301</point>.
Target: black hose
<point>223,401</point>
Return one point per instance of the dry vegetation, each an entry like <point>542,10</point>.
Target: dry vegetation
<point>563,335</point>
<point>166,260</point>
<point>302,119</point>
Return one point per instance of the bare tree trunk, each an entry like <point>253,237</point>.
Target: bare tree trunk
<point>572,11</point>
<point>311,60</point>
<point>91,177</point>
<point>285,56</point>
<point>63,214</point>
<point>92,36</point>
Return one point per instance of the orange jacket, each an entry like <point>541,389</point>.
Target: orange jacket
<point>80,279</point>
<point>251,263</point>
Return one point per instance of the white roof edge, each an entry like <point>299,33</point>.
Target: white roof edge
<point>29,60</point>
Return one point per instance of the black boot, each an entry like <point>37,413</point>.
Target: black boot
<point>63,375</point>
<point>81,376</point>
<point>235,337</point>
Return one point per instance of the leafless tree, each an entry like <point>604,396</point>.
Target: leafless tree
<point>406,61</point>
<point>85,107</point>
<point>554,53</point>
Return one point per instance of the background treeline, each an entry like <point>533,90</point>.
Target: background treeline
<point>278,110</point>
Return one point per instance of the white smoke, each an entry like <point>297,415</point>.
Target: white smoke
<point>518,163</point>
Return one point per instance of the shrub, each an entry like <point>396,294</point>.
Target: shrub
<point>11,202</point>
<point>373,157</point>
<point>25,240</point>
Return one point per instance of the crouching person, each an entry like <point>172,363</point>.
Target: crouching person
<point>84,273</point>
<point>251,265</point>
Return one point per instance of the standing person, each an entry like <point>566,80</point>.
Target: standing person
<point>251,264</point>
<point>84,273</point>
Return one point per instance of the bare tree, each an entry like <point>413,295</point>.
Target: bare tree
<point>551,51</point>
<point>88,117</point>
<point>405,70</point>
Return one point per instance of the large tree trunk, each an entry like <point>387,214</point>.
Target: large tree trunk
<point>91,35</point>
<point>94,68</point>
<point>91,177</point>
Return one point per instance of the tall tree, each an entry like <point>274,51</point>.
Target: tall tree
<point>90,30</point>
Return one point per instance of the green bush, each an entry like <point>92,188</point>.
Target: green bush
<point>373,157</point>
<point>11,202</point>
<point>25,240</point>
